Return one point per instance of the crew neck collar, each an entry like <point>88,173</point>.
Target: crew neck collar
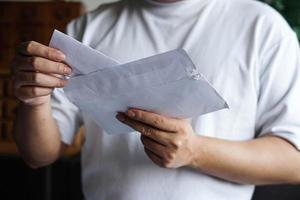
<point>180,8</point>
<point>173,3</point>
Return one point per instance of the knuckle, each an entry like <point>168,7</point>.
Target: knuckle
<point>34,62</point>
<point>60,82</point>
<point>49,52</point>
<point>179,144</point>
<point>139,114</point>
<point>158,121</point>
<point>60,68</point>
<point>143,130</point>
<point>176,144</point>
<point>148,131</point>
<point>181,129</point>
<point>166,163</point>
<point>170,156</point>
<point>34,91</point>
<point>167,157</point>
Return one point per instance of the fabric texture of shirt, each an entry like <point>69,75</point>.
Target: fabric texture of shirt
<point>244,48</point>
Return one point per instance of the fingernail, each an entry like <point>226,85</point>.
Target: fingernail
<point>68,70</point>
<point>130,113</point>
<point>120,117</point>
<point>60,55</point>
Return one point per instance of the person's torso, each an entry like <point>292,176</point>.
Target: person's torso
<point>223,39</point>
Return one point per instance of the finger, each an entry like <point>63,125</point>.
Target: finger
<point>153,146</point>
<point>144,129</point>
<point>153,119</point>
<point>40,64</point>
<point>32,91</point>
<point>37,79</point>
<point>57,75</point>
<point>33,48</point>
<point>155,158</point>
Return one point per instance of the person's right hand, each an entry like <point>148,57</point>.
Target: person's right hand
<point>36,71</point>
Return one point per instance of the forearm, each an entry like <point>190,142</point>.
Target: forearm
<point>267,160</point>
<point>37,135</point>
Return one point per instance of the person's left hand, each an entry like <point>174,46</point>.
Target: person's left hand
<point>168,142</point>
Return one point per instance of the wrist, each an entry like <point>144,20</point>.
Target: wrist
<point>196,149</point>
<point>35,108</point>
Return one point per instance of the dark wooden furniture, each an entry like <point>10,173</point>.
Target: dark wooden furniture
<point>24,21</point>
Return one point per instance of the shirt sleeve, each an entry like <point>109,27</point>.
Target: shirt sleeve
<point>67,115</point>
<point>278,111</point>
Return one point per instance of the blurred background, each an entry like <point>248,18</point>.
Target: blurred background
<point>35,20</point>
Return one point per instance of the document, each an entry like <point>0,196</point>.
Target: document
<point>168,84</point>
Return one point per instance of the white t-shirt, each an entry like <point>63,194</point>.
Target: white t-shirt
<point>246,51</point>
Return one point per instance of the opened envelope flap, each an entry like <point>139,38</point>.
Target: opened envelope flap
<point>149,72</point>
<point>78,55</point>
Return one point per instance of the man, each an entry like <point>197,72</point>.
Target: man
<point>244,49</point>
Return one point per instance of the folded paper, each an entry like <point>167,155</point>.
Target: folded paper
<point>167,83</point>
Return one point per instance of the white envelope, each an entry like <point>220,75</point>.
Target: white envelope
<point>167,83</point>
<point>81,58</point>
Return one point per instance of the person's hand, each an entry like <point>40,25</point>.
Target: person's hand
<point>36,71</point>
<point>168,142</point>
